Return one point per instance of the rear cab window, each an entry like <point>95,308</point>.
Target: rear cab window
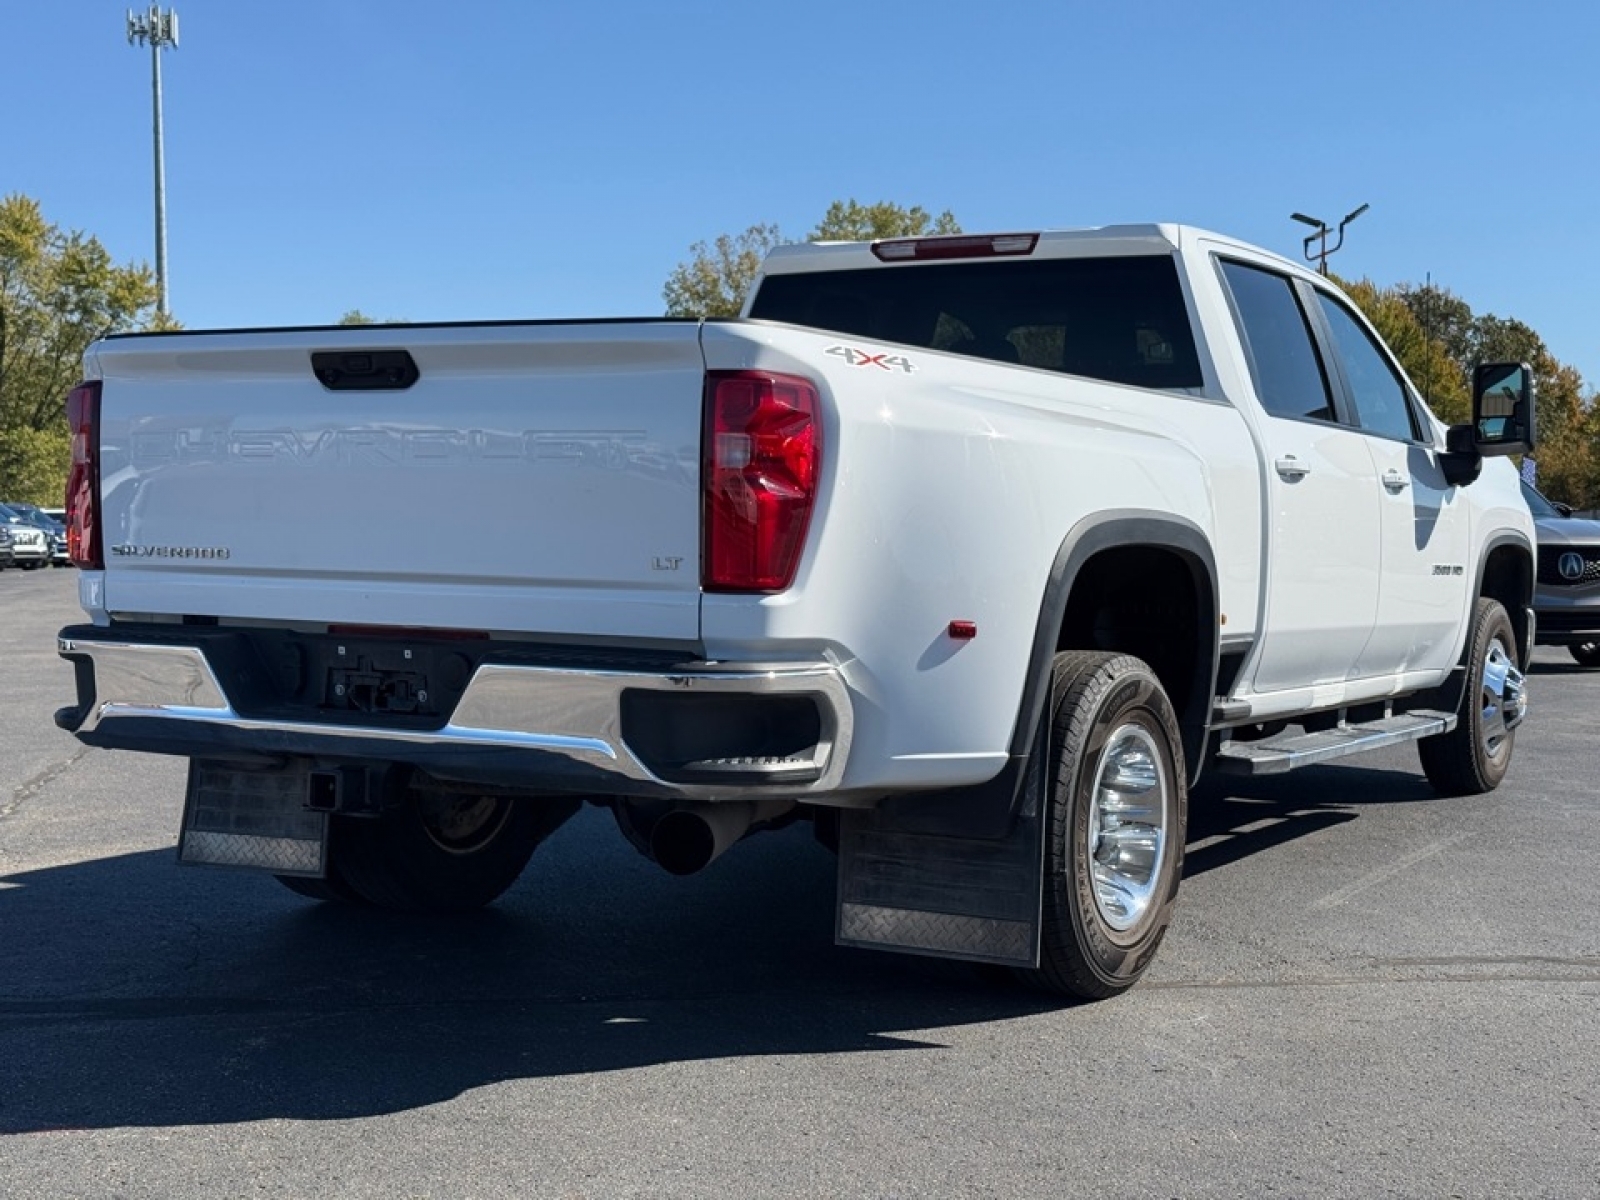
<point>1121,319</point>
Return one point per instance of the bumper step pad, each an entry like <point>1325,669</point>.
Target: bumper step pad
<point>252,819</point>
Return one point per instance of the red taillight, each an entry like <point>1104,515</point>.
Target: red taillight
<point>763,454</point>
<point>83,483</point>
<point>989,245</point>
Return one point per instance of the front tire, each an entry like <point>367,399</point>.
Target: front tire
<point>1474,756</point>
<point>1585,654</point>
<point>438,851</point>
<point>1116,809</point>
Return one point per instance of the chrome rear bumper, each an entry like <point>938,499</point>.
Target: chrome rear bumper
<point>546,728</point>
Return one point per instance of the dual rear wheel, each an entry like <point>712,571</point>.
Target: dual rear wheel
<point>433,850</point>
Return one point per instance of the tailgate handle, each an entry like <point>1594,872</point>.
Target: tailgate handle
<point>364,370</point>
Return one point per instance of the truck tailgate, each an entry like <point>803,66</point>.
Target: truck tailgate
<point>539,478</point>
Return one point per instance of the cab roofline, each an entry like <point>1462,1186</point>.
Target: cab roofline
<point>1052,243</point>
<point>1133,239</point>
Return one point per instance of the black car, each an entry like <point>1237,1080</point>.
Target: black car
<point>1566,599</point>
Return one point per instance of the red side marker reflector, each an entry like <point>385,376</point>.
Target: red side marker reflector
<point>963,631</point>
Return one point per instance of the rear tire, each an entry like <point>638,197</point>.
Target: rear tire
<point>332,888</point>
<point>1587,654</point>
<point>1116,809</point>
<point>1474,756</point>
<point>437,851</point>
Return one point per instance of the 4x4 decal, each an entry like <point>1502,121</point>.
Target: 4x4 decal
<point>862,358</point>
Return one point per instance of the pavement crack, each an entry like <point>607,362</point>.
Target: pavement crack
<point>31,787</point>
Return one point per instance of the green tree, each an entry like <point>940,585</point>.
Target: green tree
<point>1568,451</point>
<point>1446,319</point>
<point>1567,465</point>
<point>356,317</point>
<point>59,290</point>
<point>848,221</point>
<point>717,277</point>
<point>1425,359</point>
<point>715,280</point>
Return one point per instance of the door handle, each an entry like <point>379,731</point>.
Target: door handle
<point>1395,481</point>
<point>1291,468</point>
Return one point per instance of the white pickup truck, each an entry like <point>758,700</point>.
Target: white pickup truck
<point>971,550</point>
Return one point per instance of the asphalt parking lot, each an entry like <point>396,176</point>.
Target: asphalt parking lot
<point>1368,991</point>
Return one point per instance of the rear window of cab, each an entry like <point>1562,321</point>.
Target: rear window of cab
<point>1120,319</point>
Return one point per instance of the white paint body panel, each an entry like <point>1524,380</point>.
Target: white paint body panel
<point>533,479</point>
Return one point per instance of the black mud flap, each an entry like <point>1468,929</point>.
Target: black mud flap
<point>255,819</point>
<point>905,885</point>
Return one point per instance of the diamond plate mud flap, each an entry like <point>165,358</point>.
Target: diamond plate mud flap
<point>252,819</point>
<point>905,885</point>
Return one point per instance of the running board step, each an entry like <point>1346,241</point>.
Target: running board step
<point>1286,751</point>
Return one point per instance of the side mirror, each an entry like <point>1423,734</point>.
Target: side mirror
<point>1564,509</point>
<point>1502,408</point>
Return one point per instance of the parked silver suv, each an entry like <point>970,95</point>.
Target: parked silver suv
<point>1566,598</point>
<point>30,545</point>
<point>55,531</point>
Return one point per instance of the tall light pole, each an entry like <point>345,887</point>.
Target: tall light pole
<point>1321,236</point>
<point>158,29</point>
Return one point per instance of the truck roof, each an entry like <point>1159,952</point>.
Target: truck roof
<point>1097,241</point>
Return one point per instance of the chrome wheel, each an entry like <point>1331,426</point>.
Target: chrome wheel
<point>1129,815</point>
<point>1501,697</point>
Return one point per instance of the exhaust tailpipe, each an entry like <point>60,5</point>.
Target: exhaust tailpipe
<point>686,840</point>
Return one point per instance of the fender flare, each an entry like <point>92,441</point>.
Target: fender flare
<point>1107,531</point>
<point>1521,621</point>
<point>1447,696</point>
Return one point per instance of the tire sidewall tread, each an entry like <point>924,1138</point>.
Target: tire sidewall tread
<point>1094,693</point>
<point>1455,762</point>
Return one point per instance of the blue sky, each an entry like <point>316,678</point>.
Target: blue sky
<point>499,159</point>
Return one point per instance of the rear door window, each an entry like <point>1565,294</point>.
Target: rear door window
<point>1284,364</point>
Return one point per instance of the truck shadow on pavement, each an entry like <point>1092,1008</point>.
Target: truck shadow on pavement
<point>1234,817</point>
<point>1562,667</point>
<point>137,993</point>
<point>134,993</point>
